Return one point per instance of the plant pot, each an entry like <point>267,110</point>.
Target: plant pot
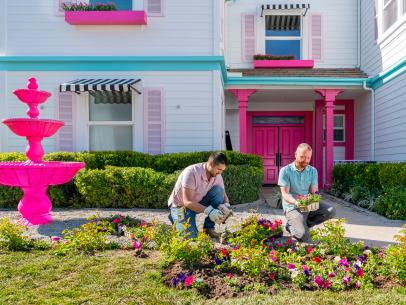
<point>106,17</point>
<point>290,63</point>
<point>309,208</point>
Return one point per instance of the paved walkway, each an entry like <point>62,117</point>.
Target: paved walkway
<point>362,224</point>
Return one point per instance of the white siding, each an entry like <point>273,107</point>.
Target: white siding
<point>362,128</point>
<point>3,29</point>
<point>3,108</point>
<point>379,55</point>
<point>192,104</point>
<point>339,31</point>
<point>186,29</point>
<point>390,112</point>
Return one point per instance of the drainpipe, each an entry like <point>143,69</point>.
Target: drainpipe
<point>364,85</point>
<point>359,33</point>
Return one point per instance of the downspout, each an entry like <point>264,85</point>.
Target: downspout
<point>359,33</point>
<point>364,85</point>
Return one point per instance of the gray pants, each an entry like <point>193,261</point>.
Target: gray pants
<point>299,223</point>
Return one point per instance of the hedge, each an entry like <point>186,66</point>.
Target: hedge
<point>132,179</point>
<point>380,187</point>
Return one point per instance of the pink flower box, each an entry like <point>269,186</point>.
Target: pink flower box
<point>291,63</point>
<point>106,17</point>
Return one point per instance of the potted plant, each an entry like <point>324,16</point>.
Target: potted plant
<point>308,203</point>
<point>280,61</point>
<point>101,14</point>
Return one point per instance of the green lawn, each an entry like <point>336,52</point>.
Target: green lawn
<point>117,277</point>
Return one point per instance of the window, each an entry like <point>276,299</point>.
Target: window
<point>121,5</point>
<point>283,35</point>
<point>110,121</point>
<point>404,7</point>
<point>339,127</point>
<point>390,13</point>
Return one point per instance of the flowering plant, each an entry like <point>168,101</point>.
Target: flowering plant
<point>273,57</point>
<point>305,200</point>
<point>88,7</point>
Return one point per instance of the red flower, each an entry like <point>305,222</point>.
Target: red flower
<point>116,220</point>
<point>224,251</point>
<point>360,272</point>
<point>230,275</point>
<point>317,259</point>
<point>272,276</point>
<point>309,249</point>
<point>189,280</point>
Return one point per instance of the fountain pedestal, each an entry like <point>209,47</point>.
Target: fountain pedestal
<point>34,176</point>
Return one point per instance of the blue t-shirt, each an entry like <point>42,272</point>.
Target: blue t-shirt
<point>298,182</point>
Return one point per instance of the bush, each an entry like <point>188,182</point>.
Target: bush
<point>392,203</point>
<point>131,179</point>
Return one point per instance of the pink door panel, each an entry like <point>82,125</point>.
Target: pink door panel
<point>265,144</point>
<point>289,139</point>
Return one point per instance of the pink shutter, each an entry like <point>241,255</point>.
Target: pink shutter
<point>316,37</point>
<point>66,135</point>
<point>154,121</point>
<point>248,37</point>
<point>154,8</point>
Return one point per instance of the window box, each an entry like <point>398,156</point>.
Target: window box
<point>106,17</point>
<point>291,63</point>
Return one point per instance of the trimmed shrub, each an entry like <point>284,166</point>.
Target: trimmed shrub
<point>392,203</point>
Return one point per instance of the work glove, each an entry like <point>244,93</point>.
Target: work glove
<point>214,214</point>
<point>225,208</point>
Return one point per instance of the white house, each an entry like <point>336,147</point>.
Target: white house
<point>163,76</point>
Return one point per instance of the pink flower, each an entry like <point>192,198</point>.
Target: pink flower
<point>55,238</point>
<point>331,274</point>
<point>272,276</point>
<point>309,249</point>
<point>360,272</point>
<point>327,284</point>
<point>236,247</point>
<point>319,281</point>
<point>291,266</point>
<point>344,262</point>
<point>137,245</point>
<point>143,223</point>
<point>189,280</point>
<point>230,275</point>
<point>358,284</point>
<point>116,220</point>
<point>381,254</point>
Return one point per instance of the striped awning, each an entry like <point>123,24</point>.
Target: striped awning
<point>295,6</point>
<point>102,85</point>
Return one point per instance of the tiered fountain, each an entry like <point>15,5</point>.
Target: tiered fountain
<point>34,175</point>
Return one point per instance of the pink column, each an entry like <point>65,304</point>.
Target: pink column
<point>329,97</point>
<point>242,97</point>
<point>318,141</point>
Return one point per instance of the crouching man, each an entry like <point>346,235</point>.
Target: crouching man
<point>200,188</point>
<point>300,178</point>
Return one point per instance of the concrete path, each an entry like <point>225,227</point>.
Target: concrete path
<point>373,229</point>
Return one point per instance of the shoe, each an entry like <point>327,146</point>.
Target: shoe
<point>170,218</point>
<point>287,228</point>
<point>212,233</point>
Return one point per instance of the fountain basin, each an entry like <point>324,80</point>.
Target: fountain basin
<point>28,173</point>
<point>32,96</point>
<point>38,128</point>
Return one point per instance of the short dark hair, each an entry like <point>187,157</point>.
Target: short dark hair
<point>218,158</point>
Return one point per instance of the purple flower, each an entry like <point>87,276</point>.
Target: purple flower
<point>293,247</point>
<point>306,270</point>
<point>319,281</point>
<point>217,261</point>
<point>175,282</point>
<point>344,262</point>
<point>346,280</point>
<point>181,277</point>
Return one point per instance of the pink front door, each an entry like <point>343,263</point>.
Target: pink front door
<point>276,145</point>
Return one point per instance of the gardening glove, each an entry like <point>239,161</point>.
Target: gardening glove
<point>227,211</point>
<point>214,214</point>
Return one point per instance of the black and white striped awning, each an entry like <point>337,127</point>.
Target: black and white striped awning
<point>282,22</point>
<point>99,84</point>
<point>296,6</point>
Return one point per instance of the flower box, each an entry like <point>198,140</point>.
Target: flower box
<point>106,17</point>
<point>308,203</point>
<point>310,207</point>
<point>289,63</point>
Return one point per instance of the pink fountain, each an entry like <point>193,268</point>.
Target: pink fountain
<point>34,176</point>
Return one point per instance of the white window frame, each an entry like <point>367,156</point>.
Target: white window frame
<point>304,44</point>
<point>335,128</point>
<point>395,27</point>
<point>283,38</point>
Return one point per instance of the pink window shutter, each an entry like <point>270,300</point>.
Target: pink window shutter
<point>66,135</point>
<point>154,8</point>
<point>316,43</point>
<point>154,121</point>
<point>248,37</point>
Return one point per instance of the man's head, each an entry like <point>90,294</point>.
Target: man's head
<point>216,164</point>
<point>303,155</point>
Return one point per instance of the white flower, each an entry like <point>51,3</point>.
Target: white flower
<point>337,259</point>
<point>295,273</point>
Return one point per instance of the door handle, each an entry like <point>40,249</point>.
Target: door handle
<point>280,159</point>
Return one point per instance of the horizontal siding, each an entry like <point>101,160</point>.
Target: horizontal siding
<point>377,56</point>
<point>390,111</point>
<point>188,99</point>
<point>362,128</point>
<point>34,29</point>
<point>339,31</point>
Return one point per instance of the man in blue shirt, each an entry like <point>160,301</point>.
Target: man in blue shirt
<point>300,178</point>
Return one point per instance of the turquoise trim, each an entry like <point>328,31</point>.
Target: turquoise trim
<point>388,75</point>
<point>114,63</point>
<point>307,81</point>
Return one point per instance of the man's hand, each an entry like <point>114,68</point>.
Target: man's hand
<point>227,211</point>
<point>214,214</point>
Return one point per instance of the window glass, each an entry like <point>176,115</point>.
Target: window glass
<point>121,5</point>
<point>110,138</point>
<point>281,25</point>
<point>105,106</point>
<point>390,13</point>
<point>283,47</point>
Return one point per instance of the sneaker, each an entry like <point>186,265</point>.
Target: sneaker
<point>212,233</point>
<point>287,228</point>
<point>170,218</point>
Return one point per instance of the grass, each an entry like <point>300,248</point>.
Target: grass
<point>117,277</point>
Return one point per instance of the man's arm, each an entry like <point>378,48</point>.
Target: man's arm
<point>187,194</point>
<point>314,187</point>
<point>226,198</point>
<point>286,196</point>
